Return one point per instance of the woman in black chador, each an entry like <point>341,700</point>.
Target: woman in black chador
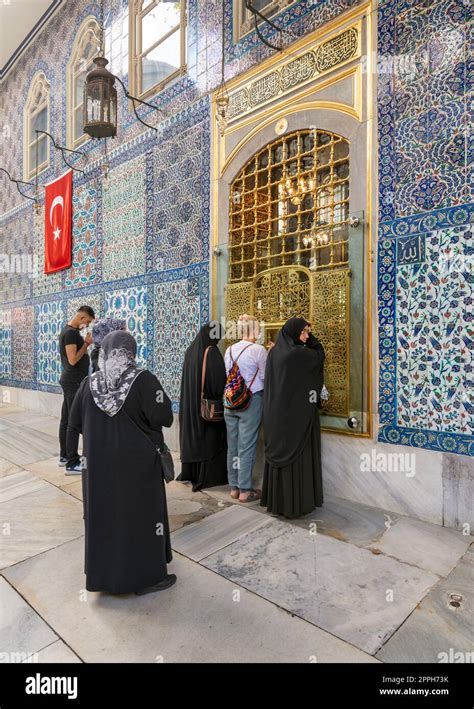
<point>120,411</point>
<point>292,484</point>
<point>203,444</point>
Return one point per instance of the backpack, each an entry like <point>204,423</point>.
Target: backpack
<point>237,394</point>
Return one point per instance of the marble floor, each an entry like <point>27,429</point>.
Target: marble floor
<point>347,583</point>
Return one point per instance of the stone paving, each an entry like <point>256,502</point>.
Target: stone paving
<point>347,583</point>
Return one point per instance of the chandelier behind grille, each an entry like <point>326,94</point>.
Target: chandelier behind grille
<point>289,206</point>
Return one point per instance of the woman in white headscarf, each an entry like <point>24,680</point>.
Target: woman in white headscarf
<point>120,411</point>
<point>100,330</point>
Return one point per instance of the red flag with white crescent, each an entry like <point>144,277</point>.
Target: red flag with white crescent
<point>58,224</point>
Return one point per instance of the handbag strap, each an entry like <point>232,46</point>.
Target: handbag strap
<point>203,371</point>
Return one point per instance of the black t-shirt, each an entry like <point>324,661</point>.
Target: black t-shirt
<point>72,373</point>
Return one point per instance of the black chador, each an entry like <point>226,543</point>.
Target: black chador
<point>292,484</point>
<point>120,410</point>
<point>203,444</point>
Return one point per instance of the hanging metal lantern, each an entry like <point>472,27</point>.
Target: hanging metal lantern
<point>222,106</point>
<point>100,101</point>
<point>222,95</point>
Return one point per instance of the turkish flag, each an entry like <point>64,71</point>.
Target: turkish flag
<point>58,224</point>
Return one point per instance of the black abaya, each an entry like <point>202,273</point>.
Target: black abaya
<point>292,483</point>
<point>296,489</point>
<point>203,444</point>
<point>125,513</point>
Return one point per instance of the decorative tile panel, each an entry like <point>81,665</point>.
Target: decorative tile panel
<point>131,305</point>
<point>84,238</point>
<point>172,306</point>
<point>181,198</point>
<point>17,258</point>
<point>94,301</point>
<point>49,323</point>
<point>5,344</point>
<point>23,334</point>
<point>123,249</point>
<point>434,336</point>
<point>43,283</point>
<point>425,331</point>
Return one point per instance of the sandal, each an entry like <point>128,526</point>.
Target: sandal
<point>234,493</point>
<point>252,496</point>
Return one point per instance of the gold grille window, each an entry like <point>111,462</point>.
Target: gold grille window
<point>289,205</point>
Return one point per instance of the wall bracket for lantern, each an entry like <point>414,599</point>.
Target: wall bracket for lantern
<point>62,148</point>
<point>133,99</point>
<point>19,182</point>
<point>259,15</point>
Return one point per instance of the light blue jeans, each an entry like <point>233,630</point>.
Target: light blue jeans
<point>242,436</point>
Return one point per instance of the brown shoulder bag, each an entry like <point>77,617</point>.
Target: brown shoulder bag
<point>211,409</point>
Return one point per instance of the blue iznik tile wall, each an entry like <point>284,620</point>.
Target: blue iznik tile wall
<point>425,256</point>
<point>141,242</point>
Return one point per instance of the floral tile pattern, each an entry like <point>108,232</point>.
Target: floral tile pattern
<point>23,342</point>
<point>18,263</point>
<point>83,271</point>
<point>5,343</point>
<point>425,330</point>
<point>181,198</point>
<point>423,107</point>
<point>43,283</point>
<point>180,307</point>
<point>49,322</point>
<point>425,211</point>
<point>123,247</point>
<point>131,305</point>
<point>434,354</point>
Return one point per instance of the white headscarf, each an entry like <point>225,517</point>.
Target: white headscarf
<point>111,384</point>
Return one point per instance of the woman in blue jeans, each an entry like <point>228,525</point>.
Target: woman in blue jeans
<point>243,426</point>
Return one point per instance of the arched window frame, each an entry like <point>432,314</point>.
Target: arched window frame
<point>138,9</point>
<point>319,231</point>
<point>85,48</point>
<point>37,101</point>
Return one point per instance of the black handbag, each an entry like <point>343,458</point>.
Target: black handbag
<point>167,463</point>
<point>166,459</point>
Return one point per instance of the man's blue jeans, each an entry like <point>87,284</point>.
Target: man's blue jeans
<point>242,436</point>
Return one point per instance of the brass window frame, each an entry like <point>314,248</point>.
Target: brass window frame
<point>136,15</point>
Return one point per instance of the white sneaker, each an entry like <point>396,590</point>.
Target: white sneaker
<point>74,469</point>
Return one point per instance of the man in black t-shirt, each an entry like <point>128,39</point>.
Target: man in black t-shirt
<point>75,366</point>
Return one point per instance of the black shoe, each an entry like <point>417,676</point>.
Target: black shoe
<point>168,581</point>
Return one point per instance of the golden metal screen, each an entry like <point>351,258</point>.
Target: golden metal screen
<point>289,205</point>
<point>288,245</point>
